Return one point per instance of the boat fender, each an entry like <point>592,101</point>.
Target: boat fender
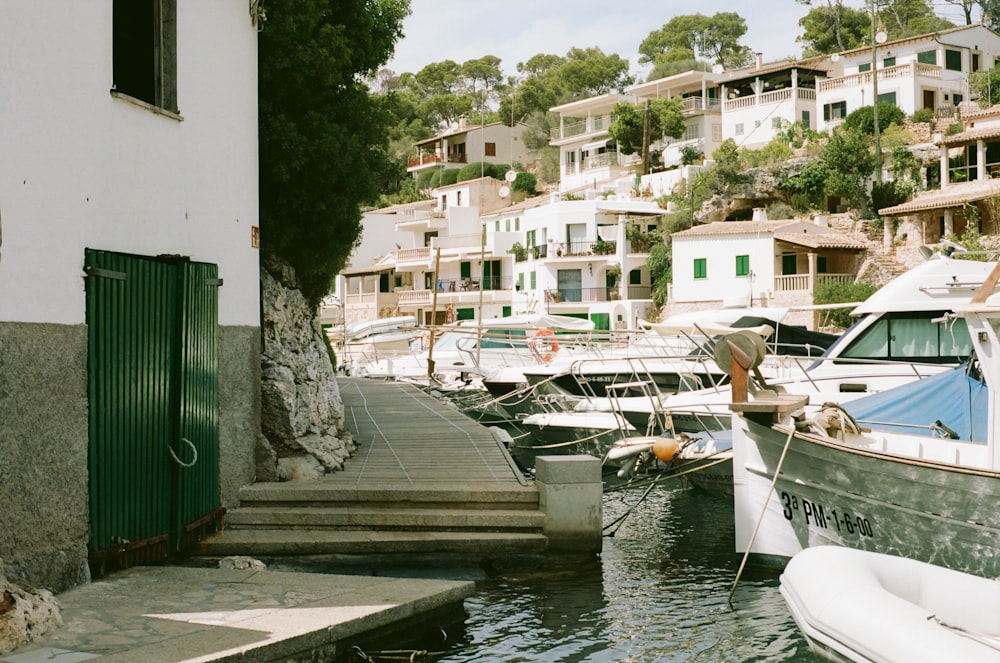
<point>665,448</point>
<point>543,344</point>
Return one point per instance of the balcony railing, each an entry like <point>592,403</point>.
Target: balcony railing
<point>571,249</point>
<point>565,295</point>
<point>803,282</point>
<point>694,104</point>
<point>864,78</point>
<point>431,158</point>
<point>422,254</point>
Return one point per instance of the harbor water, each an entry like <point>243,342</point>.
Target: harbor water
<point>657,592</point>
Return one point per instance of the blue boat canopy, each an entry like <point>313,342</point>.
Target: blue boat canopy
<point>952,398</point>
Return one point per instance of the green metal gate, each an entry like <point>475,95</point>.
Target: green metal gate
<point>153,393</point>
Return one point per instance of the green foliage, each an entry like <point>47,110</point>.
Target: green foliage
<point>690,154</point>
<point>890,194</point>
<point>525,182</point>
<point>848,156</point>
<point>312,105</point>
<point>780,210</point>
<point>424,179</point>
<point>666,118</point>
<point>713,37</point>
<point>448,176</point>
<point>923,115</point>
<point>953,128</point>
<point>660,263</point>
<point>601,247</point>
<point>985,86</point>
<point>829,292</point>
<point>971,240</point>
<point>518,251</point>
<point>832,28</point>
<point>863,119</point>
<point>477,169</point>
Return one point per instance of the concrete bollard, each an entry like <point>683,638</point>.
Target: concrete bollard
<point>570,493</point>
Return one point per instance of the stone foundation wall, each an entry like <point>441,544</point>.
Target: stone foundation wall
<point>44,517</point>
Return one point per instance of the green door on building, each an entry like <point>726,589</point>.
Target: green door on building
<point>153,400</point>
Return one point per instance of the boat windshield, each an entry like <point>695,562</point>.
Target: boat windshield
<point>912,336</point>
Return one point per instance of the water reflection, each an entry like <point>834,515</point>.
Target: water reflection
<point>656,593</point>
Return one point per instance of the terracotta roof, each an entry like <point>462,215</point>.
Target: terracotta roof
<point>924,37</point>
<point>972,135</point>
<point>822,240</point>
<point>955,195</point>
<point>735,228</point>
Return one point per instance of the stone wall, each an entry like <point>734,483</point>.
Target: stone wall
<point>302,416</point>
<point>44,512</point>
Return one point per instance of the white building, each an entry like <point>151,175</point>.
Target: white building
<point>129,283</point>
<point>464,143</point>
<point>751,263</point>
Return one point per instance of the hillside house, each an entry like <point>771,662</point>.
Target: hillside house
<point>464,143</point>
<point>755,263</point>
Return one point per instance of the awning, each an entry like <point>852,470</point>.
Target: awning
<point>366,270</point>
<point>595,145</point>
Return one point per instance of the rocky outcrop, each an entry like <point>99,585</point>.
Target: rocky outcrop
<point>25,613</point>
<point>301,412</point>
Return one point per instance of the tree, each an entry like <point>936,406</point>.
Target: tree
<point>966,6</point>
<point>666,118</point>
<point>985,86</point>
<point>863,119</point>
<point>323,136</point>
<point>907,18</point>
<point>832,28</point>
<point>683,37</point>
<point>848,155</point>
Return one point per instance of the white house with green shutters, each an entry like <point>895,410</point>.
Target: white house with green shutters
<point>754,263</point>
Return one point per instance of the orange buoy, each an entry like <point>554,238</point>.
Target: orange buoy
<point>543,344</point>
<point>665,448</point>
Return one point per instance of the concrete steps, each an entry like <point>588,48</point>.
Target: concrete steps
<point>320,517</point>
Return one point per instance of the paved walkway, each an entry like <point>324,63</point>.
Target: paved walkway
<point>173,614</point>
<point>408,437</point>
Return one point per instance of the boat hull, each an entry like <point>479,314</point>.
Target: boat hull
<point>828,493</point>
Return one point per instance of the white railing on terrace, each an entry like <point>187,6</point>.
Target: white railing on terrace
<point>422,254</point>
<point>415,297</point>
<point>772,97</point>
<point>701,103</point>
<point>799,282</point>
<point>585,126</point>
<point>908,70</point>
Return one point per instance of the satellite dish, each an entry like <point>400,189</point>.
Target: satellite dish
<point>510,175</point>
<point>835,57</point>
<point>717,69</point>
<point>880,37</point>
<point>504,191</point>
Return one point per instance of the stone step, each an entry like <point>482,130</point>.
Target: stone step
<point>365,516</point>
<point>278,542</point>
<point>398,497</point>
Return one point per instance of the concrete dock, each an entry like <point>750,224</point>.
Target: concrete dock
<point>425,479</point>
<point>174,615</point>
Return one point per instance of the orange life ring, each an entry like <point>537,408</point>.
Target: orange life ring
<point>543,344</point>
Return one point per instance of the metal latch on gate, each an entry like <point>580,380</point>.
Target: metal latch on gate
<point>104,273</point>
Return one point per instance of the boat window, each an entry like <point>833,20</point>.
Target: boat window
<point>503,339</point>
<point>912,337</point>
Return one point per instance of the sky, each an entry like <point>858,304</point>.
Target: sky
<point>515,30</point>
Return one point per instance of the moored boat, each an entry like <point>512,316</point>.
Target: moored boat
<point>802,481</point>
<point>859,606</point>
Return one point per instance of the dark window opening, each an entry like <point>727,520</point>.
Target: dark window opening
<point>144,43</point>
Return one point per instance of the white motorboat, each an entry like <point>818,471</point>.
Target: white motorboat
<point>859,606</point>
<point>480,347</point>
<point>802,481</point>
<point>902,334</point>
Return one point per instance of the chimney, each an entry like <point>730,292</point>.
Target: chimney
<point>759,60</point>
<point>461,122</point>
<point>759,214</point>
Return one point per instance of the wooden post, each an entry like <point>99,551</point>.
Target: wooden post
<point>434,306</point>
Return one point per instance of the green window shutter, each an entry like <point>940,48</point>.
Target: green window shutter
<point>742,265</point>
<point>517,223</point>
<point>534,283</point>
<point>466,269</point>
<point>927,57</point>
<point>866,66</point>
<point>889,62</point>
<point>953,60</point>
<point>700,268</point>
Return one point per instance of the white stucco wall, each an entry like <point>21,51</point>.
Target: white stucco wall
<point>720,254</point>
<point>82,169</point>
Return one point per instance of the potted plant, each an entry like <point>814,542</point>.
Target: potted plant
<point>519,252</point>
